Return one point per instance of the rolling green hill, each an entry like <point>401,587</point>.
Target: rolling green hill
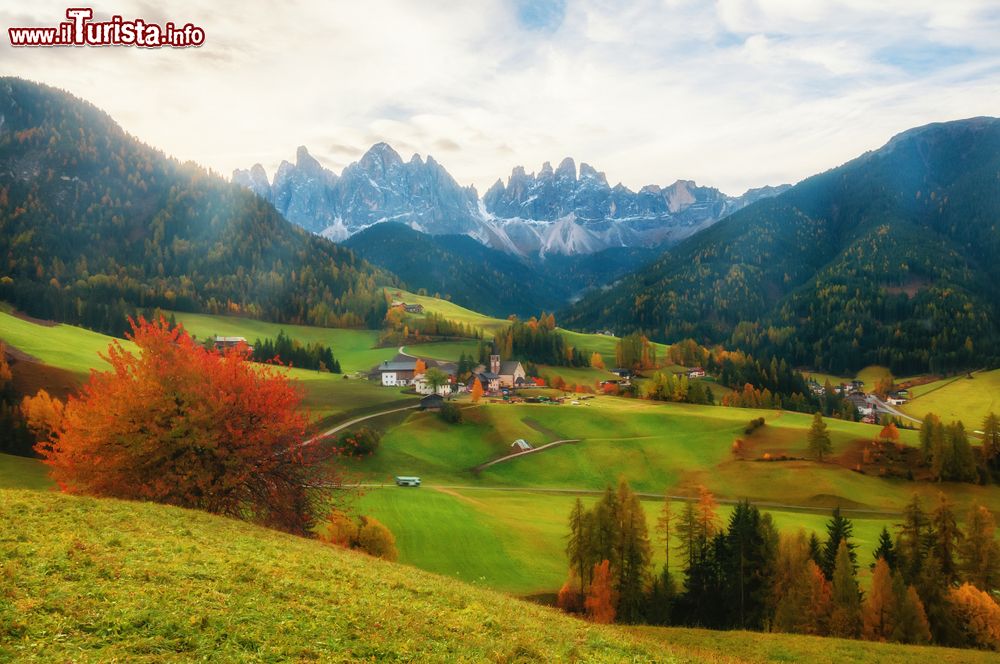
<point>888,260</point>
<point>102,580</point>
<point>459,267</point>
<point>97,224</point>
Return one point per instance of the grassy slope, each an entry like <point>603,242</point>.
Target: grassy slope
<point>969,400</point>
<point>327,395</point>
<point>102,580</point>
<point>587,343</point>
<point>64,346</point>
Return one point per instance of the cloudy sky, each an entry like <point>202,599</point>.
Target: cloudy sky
<point>732,93</point>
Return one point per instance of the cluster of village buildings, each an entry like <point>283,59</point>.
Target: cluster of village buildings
<point>401,371</point>
<point>866,404</point>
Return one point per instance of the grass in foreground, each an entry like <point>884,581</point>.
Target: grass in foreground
<point>89,580</point>
<point>100,580</point>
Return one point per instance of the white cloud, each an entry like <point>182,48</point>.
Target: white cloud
<point>736,94</point>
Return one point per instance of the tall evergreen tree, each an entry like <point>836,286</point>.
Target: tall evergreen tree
<point>838,529</point>
<point>991,441</point>
<point>885,550</point>
<point>911,545</point>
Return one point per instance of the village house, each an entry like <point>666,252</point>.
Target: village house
<point>396,373</point>
<point>423,386</point>
<point>696,372</point>
<point>510,373</point>
<point>225,343</point>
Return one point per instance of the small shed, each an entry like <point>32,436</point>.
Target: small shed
<point>432,402</point>
<point>521,444</point>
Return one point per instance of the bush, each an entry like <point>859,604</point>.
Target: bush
<point>754,425</point>
<point>451,413</point>
<point>376,540</point>
<point>366,534</point>
<point>359,443</point>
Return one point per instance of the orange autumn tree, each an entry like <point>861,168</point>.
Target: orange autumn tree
<point>477,390</point>
<point>177,423</point>
<point>601,600</point>
<point>419,367</point>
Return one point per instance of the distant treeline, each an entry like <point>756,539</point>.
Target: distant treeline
<point>283,348</point>
<point>536,340</point>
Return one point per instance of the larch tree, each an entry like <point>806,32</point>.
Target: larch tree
<point>945,538</point>
<point>663,529</point>
<point>879,612</point>
<point>911,619</point>
<point>596,361</point>
<point>978,614</point>
<point>819,438</point>
<point>477,390</point>
<point>979,551</point>
<point>845,612</point>
<point>600,602</point>
<point>180,424</point>
<point>927,426</point>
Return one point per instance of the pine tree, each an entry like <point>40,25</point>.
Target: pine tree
<point>912,541</point>
<point>885,550</point>
<point>991,441</point>
<point>819,438</point>
<point>689,540</point>
<point>838,529</point>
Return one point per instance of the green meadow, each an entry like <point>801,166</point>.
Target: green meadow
<point>100,580</point>
<point>964,398</point>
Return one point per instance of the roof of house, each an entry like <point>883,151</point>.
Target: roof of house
<point>229,339</point>
<point>487,375</point>
<point>432,398</point>
<point>508,367</point>
<point>397,366</point>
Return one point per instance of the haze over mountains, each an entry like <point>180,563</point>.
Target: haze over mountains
<point>891,259</point>
<point>552,212</point>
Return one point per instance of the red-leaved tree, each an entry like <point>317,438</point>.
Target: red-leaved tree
<point>177,423</point>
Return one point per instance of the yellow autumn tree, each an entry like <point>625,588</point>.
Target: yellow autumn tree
<point>979,614</point>
<point>597,361</point>
<point>43,414</point>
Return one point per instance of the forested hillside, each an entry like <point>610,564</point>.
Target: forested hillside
<point>889,259</point>
<point>94,224</point>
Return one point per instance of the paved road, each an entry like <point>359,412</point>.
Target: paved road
<point>402,351</point>
<point>350,423</point>
<point>886,408</point>
<point>524,453</point>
